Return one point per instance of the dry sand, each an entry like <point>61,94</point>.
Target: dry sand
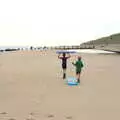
<point>31,87</point>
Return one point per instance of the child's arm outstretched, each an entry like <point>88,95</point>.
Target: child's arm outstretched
<point>74,63</point>
<point>59,56</point>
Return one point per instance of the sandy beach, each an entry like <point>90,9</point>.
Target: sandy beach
<point>32,88</point>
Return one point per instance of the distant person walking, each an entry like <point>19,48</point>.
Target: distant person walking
<point>79,65</point>
<point>64,63</point>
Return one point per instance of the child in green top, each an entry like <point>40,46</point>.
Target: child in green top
<point>78,65</point>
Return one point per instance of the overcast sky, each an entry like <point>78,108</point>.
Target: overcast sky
<point>57,22</point>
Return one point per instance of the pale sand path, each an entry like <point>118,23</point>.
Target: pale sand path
<point>31,86</point>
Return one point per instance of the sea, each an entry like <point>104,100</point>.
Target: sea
<point>91,51</point>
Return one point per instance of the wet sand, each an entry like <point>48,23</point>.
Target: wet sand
<point>32,88</point>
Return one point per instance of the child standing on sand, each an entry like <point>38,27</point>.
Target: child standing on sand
<point>64,63</point>
<point>78,64</point>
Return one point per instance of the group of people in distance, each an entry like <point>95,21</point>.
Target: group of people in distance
<point>78,64</point>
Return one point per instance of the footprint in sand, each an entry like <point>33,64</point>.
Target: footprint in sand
<point>50,116</point>
<point>3,113</point>
<point>30,119</point>
<point>69,117</point>
<point>32,114</point>
<point>12,119</point>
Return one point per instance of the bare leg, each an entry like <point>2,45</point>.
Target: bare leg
<point>64,73</point>
<point>78,77</point>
